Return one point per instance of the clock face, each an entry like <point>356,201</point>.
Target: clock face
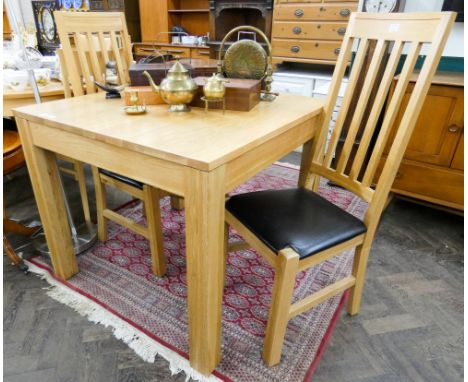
<point>48,25</point>
<point>382,6</point>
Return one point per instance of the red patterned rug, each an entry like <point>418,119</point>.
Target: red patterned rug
<point>115,287</point>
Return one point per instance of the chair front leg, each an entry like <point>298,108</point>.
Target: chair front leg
<point>359,272</point>
<point>101,204</point>
<point>287,268</point>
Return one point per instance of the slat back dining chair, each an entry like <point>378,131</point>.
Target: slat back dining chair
<point>296,229</point>
<point>89,40</point>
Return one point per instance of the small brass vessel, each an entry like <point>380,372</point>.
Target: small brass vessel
<point>136,107</point>
<point>177,89</point>
<point>214,87</point>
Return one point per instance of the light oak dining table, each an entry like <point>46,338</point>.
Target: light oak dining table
<point>199,156</point>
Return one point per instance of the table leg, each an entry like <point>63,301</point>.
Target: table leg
<point>45,178</point>
<point>204,216</point>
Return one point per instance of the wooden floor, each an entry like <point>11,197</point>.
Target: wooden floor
<point>410,327</point>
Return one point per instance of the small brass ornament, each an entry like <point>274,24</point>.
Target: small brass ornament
<point>136,107</point>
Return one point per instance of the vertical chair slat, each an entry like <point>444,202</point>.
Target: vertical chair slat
<point>81,50</point>
<point>361,106</point>
<point>353,78</point>
<point>374,115</point>
<point>338,74</point>
<point>103,44</point>
<point>94,57</point>
<point>117,57</point>
<point>391,113</point>
<point>65,74</point>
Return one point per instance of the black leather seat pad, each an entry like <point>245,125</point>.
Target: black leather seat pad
<point>296,218</point>
<point>123,179</point>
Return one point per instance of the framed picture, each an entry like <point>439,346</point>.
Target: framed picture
<point>47,37</point>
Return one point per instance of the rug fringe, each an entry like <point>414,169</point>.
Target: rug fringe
<point>287,164</point>
<point>144,346</point>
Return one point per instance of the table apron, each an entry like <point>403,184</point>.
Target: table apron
<point>158,173</point>
<point>252,162</point>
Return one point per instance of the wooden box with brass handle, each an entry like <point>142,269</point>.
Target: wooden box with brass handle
<point>241,94</point>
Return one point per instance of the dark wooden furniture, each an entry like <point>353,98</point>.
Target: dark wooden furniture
<point>6,24</point>
<point>309,31</point>
<point>432,166</point>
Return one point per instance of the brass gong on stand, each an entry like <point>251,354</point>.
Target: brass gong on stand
<point>247,59</point>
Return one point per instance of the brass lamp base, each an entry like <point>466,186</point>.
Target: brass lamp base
<point>179,108</point>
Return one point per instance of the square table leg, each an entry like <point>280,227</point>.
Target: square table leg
<point>45,178</point>
<point>204,216</point>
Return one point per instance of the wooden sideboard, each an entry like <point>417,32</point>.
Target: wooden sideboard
<point>432,167</point>
<point>309,31</point>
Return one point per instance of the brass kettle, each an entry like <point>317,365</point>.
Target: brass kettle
<point>214,87</point>
<point>177,89</point>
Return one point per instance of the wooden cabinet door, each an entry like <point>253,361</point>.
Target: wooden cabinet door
<point>439,125</point>
<point>153,20</point>
<point>457,161</point>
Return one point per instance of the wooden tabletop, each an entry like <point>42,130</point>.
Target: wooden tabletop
<point>196,139</point>
<point>52,89</point>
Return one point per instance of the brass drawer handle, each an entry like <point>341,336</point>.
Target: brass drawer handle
<point>295,49</point>
<point>345,12</point>
<point>299,13</point>
<point>453,128</point>
<point>341,31</point>
<point>337,51</point>
<point>297,30</point>
<point>204,53</point>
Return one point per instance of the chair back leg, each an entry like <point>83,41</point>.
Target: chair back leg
<point>80,175</point>
<point>285,277</point>
<point>101,204</point>
<point>153,217</point>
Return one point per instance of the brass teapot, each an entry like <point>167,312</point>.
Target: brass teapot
<point>214,87</point>
<point>177,89</point>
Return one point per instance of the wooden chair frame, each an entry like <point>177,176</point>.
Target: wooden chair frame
<point>89,40</point>
<point>391,31</point>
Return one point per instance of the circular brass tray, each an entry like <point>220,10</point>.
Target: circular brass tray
<point>245,59</point>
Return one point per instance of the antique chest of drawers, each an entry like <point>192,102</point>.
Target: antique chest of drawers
<point>309,31</point>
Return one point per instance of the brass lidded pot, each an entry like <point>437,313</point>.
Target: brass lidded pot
<point>177,89</point>
<point>214,87</point>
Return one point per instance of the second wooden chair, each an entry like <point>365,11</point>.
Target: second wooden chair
<point>89,40</point>
<point>296,229</point>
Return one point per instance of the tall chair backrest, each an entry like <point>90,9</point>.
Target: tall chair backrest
<point>89,40</point>
<point>391,35</point>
